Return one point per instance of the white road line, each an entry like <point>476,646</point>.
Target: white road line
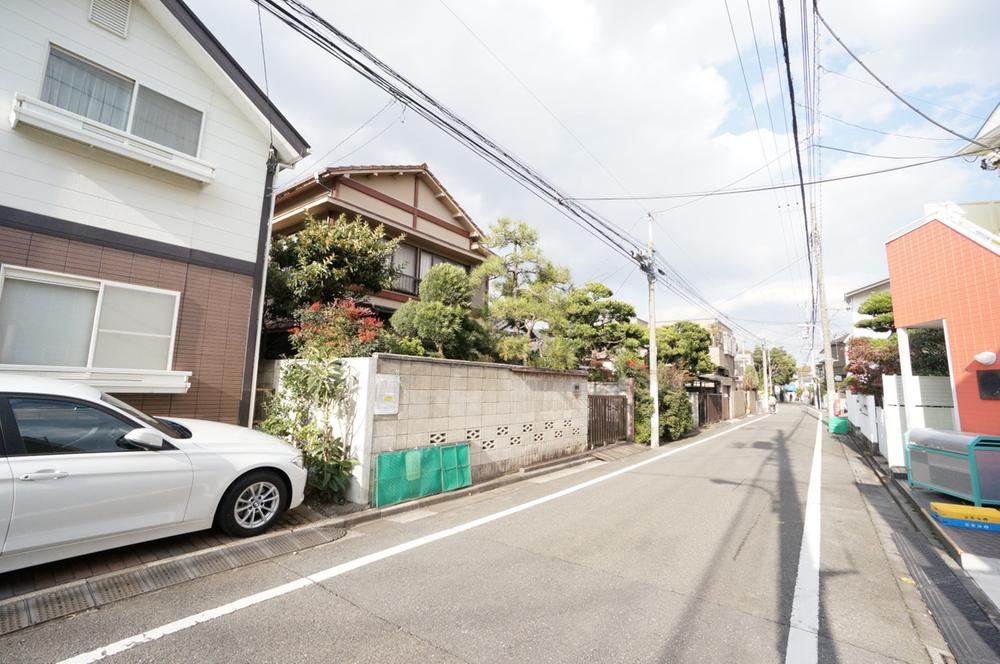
<point>803,639</point>
<point>357,563</point>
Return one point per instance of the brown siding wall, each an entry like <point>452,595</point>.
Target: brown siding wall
<point>211,327</point>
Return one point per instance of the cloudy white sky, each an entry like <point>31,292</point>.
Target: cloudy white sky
<point>654,90</point>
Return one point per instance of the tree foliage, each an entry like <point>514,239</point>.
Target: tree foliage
<point>685,345</point>
<point>879,307</point>
<point>526,289</point>
<point>442,320</point>
<point>869,359</point>
<point>598,324</point>
<point>339,329</point>
<point>781,364</point>
<point>327,260</point>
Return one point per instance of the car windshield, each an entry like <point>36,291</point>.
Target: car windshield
<point>165,427</point>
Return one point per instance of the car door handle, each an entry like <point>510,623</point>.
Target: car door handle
<point>44,475</point>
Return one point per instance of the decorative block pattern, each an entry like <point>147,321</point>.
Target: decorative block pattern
<point>576,431</point>
<point>549,425</point>
<point>503,430</point>
<point>567,423</point>
<point>438,438</point>
<point>539,437</point>
<point>488,445</point>
<point>515,440</point>
<point>525,428</point>
<point>473,434</point>
<point>559,433</point>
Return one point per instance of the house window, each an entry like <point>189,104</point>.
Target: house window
<point>98,94</point>
<point>81,88</point>
<point>51,319</point>
<point>405,260</point>
<point>162,120</point>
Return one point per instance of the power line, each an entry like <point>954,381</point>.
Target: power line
<point>320,32</point>
<point>878,156</point>
<point>920,99</point>
<point>749,190</point>
<point>364,124</point>
<point>537,99</point>
<point>878,131</point>
<point>893,92</point>
<point>376,136</point>
<point>316,29</point>
<point>753,111</point>
<point>795,126</point>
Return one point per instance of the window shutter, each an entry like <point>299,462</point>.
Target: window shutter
<point>112,15</point>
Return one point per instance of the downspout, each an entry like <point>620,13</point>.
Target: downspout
<point>254,327</point>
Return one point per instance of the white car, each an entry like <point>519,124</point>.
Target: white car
<point>81,471</point>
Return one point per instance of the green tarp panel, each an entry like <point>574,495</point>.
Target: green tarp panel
<point>837,425</point>
<point>423,471</point>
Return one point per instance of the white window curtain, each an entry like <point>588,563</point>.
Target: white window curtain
<point>162,120</point>
<point>45,324</point>
<point>135,329</point>
<point>82,88</point>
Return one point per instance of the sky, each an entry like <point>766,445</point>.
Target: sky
<point>638,98</point>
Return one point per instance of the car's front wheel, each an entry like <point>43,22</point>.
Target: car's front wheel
<point>252,504</point>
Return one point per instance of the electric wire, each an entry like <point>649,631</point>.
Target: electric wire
<point>392,101</point>
<point>750,190</point>
<point>889,88</point>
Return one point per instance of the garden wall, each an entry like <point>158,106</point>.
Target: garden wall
<point>512,417</point>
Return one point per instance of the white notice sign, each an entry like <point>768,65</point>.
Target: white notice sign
<point>386,394</point>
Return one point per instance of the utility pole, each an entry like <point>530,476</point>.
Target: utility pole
<point>765,362</point>
<point>654,388</point>
<point>831,389</point>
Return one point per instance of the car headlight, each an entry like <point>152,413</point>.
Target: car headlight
<point>299,460</point>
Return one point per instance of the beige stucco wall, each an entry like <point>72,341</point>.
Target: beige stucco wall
<point>511,417</point>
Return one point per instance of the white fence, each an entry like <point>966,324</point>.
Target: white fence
<point>886,427</point>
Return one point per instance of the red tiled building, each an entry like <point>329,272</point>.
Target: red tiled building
<point>945,273</point>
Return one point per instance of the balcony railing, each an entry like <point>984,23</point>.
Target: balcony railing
<point>406,284</point>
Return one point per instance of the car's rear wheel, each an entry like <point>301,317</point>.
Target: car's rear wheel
<point>252,504</point>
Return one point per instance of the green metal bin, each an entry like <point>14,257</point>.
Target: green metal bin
<point>964,465</point>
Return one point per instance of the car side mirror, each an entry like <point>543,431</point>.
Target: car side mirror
<point>146,438</point>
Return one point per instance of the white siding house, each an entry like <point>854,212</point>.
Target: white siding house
<point>135,177</point>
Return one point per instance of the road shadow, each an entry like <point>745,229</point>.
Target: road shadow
<point>788,506</point>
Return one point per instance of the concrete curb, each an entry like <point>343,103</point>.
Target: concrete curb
<point>32,608</point>
<point>926,524</point>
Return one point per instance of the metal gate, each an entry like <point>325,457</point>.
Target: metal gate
<point>710,406</point>
<point>607,421</point>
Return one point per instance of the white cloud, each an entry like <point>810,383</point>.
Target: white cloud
<point>654,90</point>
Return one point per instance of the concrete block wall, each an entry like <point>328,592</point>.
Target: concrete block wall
<point>512,417</point>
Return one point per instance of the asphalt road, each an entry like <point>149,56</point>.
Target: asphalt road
<point>690,553</point>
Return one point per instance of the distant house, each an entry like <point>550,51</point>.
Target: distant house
<point>135,200</point>
<point>945,272</point>
<point>855,298</point>
<point>722,351</point>
<point>838,353</point>
<point>406,200</point>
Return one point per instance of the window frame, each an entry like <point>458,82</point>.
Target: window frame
<point>133,99</point>
<point>86,283</point>
<point>14,443</point>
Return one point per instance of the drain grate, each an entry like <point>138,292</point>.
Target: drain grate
<point>14,616</point>
<point>62,601</point>
<point>59,603</point>
<point>116,587</point>
<point>248,553</point>
<point>211,562</point>
<point>167,574</point>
